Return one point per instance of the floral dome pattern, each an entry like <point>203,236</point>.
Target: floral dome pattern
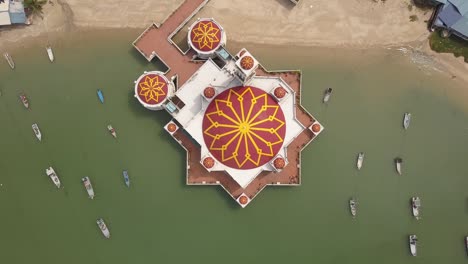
<point>206,36</point>
<point>244,127</point>
<point>152,88</point>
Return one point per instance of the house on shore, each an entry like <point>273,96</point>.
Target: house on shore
<point>12,12</point>
<point>452,17</point>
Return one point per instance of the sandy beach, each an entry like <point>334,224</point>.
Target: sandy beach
<point>353,24</point>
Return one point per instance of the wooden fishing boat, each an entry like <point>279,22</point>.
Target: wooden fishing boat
<point>360,160</point>
<point>415,205</point>
<point>126,178</point>
<point>88,186</point>
<point>37,131</point>
<point>112,131</point>
<point>406,120</point>
<point>24,100</point>
<point>353,207</point>
<point>413,240</point>
<point>398,164</point>
<point>53,176</point>
<point>103,227</point>
<point>327,95</point>
<point>100,95</point>
<point>50,53</point>
<point>9,59</point>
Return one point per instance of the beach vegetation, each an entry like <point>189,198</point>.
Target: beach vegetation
<point>34,7</point>
<point>452,44</point>
<point>413,18</point>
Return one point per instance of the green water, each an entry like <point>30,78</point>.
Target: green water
<point>161,220</point>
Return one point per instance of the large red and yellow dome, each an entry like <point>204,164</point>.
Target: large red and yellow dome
<point>151,88</point>
<point>205,35</point>
<point>244,127</point>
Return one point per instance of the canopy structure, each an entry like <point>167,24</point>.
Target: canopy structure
<point>12,12</point>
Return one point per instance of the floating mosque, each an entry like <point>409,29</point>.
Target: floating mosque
<point>243,127</point>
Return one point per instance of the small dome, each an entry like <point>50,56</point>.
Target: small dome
<point>280,92</point>
<point>171,127</point>
<point>316,128</point>
<point>209,92</point>
<point>208,162</point>
<point>247,63</point>
<point>279,163</point>
<point>243,200</point>
<point>242,53</point>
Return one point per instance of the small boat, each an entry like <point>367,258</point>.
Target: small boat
<point>53,176</point>
<point>466,243</point>
<point>37,131</point>
<point>327,95</point>
<point>103,227</point>
<point>24,100</point>
<point>398,163</point>
<point>9,60</point>
<point>406,120</point>
<point>100,95</point>
<point>353,206</point>
<point>415,205</point>
<point>126,178</point>
<point>413,240</point>
<point>360,159</point>
<point>112,131</point>
<point>89,187</point>
<point>50,53</point>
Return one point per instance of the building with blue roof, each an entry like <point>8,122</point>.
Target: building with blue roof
<point>12,12</point>
<point>451,16</point>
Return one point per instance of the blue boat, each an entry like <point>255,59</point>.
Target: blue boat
<point>100,95</point>
<point>126,178</point>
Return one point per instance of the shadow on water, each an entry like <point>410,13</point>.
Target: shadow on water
<point>141,60</point>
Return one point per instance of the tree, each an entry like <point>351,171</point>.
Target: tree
<point>34,6</point>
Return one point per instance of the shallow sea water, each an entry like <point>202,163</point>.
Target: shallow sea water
<point>160,219</point>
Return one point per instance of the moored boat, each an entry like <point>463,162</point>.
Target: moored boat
<point>100,95</point>
<point>327,94</point>
<point>466,243</point>
<point>50,53</point>
<point>88,186</point>
<point>102,226</point>
<point>53,176</point>
<point>9,59</point>
<point>398,164</point>
<point>37,131</point>
<point>126,178</point>
<point>24,100</point>
<point>406,120</point>
<point>112,131</point>
<point>415,205</point>
<point>413,240</point>
<point>360,160</point>
<point>353,206</point>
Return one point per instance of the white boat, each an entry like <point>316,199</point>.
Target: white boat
<point>112,131</point>
<point>9,60</point>
<point>88,186</point>
<point>413,240</point>
<point>53,176</point>
<point>103,227</point>
<point>37,131</point>
<point>360,160</point>
<point>50,53</point>
<point>398,164</point>
<point>415,205</point>
<point>327,95</point>
<point>466,243</point>
<point>406,120</point>
<point>353,206</point>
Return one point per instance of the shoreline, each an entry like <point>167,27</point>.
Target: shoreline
<point>281,24</point>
